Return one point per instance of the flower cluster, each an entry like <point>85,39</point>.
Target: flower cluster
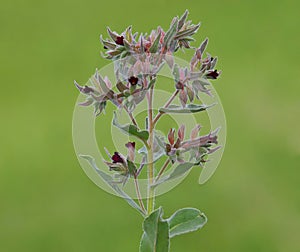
<point>159,41</point>
<point>197,146</point>
<point>129,92</point>
<point>189,81</point>
<point>123,166</point>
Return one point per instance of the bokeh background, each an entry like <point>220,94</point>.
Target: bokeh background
<point>46,201</point>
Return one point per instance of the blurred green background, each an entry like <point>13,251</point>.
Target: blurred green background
<point>47,202</point>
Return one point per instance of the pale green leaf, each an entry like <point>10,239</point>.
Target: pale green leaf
<point>190,108</point>
<point>186,220</point>
<point>131,129</point>
<point>170,34</point>
<point>156,233</point>
<point>154,46</point>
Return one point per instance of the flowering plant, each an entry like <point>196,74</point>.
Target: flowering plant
<point>138,59</point>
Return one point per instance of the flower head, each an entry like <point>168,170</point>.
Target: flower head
<point>198,147</point>
<point>124,167</point>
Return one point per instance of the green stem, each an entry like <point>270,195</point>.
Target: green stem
<point>151,192</point>
<point>131,117</point>
<point>138,194</point>
<point>165,106</point>
<point>164,167</point>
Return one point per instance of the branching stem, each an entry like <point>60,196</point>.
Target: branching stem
<point>165,106</point>
<point>162,170</point>
<point>131,117</point>
<point>138,194</point>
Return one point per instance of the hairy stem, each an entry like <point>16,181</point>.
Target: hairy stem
<point>151,193</point>
<point>138,194</point>
<point>131,117</point>
<point>165,106</point>
<point>163,168</point>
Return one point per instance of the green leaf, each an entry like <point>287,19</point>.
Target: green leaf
<point>107,43</point>
<point>109,181</point>
<point>129,34</point>
<point>112,34</point>
<point>170,34</point>
<point>182,19</point>
<point>127,45</point>
<point>190,108</point>
<point>154,46</point>
<point>131,167</point>
<point>156,233</point>
<point>103,85</point>
<point>187,33</point>
<point>186,220</point>
<point>203,45</point>
<point>178,171</point>
<point>131,129</point>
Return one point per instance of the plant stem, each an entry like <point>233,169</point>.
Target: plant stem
<point>165,106</point>
<point>138,194</point>
<point>162,170</point>
<point>151,193</point>
<point>131,117</point>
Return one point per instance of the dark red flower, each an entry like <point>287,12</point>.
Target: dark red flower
<point>120,40</point>
<point>212,74</point>
<point>116,158</point>
<point>133,80</point>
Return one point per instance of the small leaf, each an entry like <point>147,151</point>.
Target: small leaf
<point>187,33</point>
<point>127,45</point>
<point>170,34</point>
<point>107,43</point>
<point>186,220</point>
<point>129,34</point>
<point>131,129</point>
<point>195,75</point>
<point>204,82</point>
<point>213,63</point>
<point>176,72</point>
<point>190,93</point>
<point>182,19</point>
<point>203,45</point>
<point>178,171</point>
<point>103,86</point>
<point>183,98</point>
<point>109,181</point>
<point>156,233</point>
<point>121,87</point>
<point>131,167</point>
<point>154,46</point>
<point>190,108</point>
<point>112,34</point>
